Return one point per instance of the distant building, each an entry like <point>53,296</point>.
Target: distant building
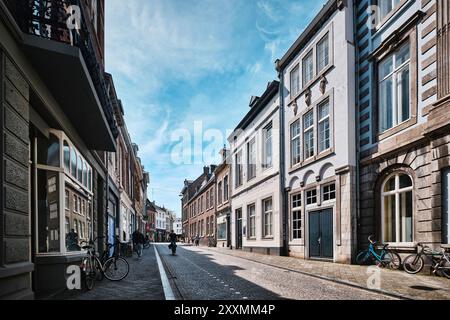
<point>223,203</point>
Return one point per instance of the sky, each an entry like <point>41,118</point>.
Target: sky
<point>185,71</point>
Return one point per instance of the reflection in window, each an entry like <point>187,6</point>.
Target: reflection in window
<point>85,172</point>
<point>48,151</point>
<point>397,209</point>
<point>66,156</point>
<point>385,7</point>
<point>80,169</point>
<point>73,162</point>
<point>48,211</point>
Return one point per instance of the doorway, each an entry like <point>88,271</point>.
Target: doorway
<point>321,234</point>
<point>239,229</point>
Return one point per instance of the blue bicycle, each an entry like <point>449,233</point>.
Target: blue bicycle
<point>385,258</point>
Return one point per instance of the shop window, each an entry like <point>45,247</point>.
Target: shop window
<point>308,133</point>
<point>323,111</point>
<point>323,53</point>
<point>308,68</point>
<point>268,146</point>
<point>48,211</point>
<point>295,143</point>
<point>85,175</point>
<point>397,209</point>
<point>295,81</point>
<point>48,151</point>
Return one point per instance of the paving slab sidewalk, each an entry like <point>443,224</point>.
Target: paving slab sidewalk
<point>142,283</point>
<point>396,283</point>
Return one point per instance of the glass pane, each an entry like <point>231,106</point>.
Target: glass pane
<point>73,162</point>
<point>324,110</point>
<point>386,98</point>
<point>48,151</point>
<point>85,171</point>
<point>390,185</point>
<point>308,120</point>
<point>403,92</point>
<point>386,67</point>
<point>406,227</point>
<point>389,234</point>
<point>66,156</point>
<point>308,69</point>
<point>322,53</point>
<point>80,169</point>
<point>324,135</point>
<point>402,56</point>
<point>48,211</point>
<point>295,87</point>
<point>405,181</point>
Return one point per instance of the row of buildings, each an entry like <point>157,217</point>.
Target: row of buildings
<point>161,222</point>
<point>70,171</point>
<point>352,140</point>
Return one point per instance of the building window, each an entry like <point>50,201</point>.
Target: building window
<point>295,81</point>
<point>311,197</point>
<point>222,231</point>
<point>308,133</point>
<point>394,88</point>
<point>297,216</point>
<point>66,200</point>
<point>295,143</point>
<point>251,158</point>
<point>329,192</point>
<point>67,226</point>
<point>73,162</point>
<point>324,126</point>
<point>251,211</point>
<point>238,164</point>
<point>446,206</point>
<point>385,7</point>
<point>308,68</point>
<point>207,225</point>
<point>219,193</point>
<point>323,53</point>
<point>268,148</point>
<point>225,188</point>
<point>267,217</point>
<point>80,169</point>
<point>397,208</point>
<point>211,199</point>
<point>66,156</point>
<point>207,199</point>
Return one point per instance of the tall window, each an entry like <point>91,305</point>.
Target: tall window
<point>66,200</point>
<point>219,193</point>
<point>207,199</point>
<point>295,81</point>
<point>238,164</point>
<point>251,221</point>
<point>308,68</point>
<point>66,156</point>
<point>308,134</point>
<point>295,143</point>
<point>225,189</point>
<point>311,196</point>
<point>394,88</point>
<point>297,216</point>
<point>251,157</point>
<point>323,53</point>
<point>397,209</point>
<point>267,217</point>
<point>329,192</point>
<point>324,126</point>
<point>268,148</point>
<point>211,197</point>
<point>385,7</point>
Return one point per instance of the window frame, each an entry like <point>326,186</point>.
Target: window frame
<point>294,93</point>
<point>322,189</point>
<point>397,192</point>
<point>251,156</point>
<point>264,218</point>
<point>320,120</point>
<point>298,209</point>
<point>267,128</point>
<point>322,40</point>
<point>293,138</point>
<point>251,233</point>
<point>306,130</point>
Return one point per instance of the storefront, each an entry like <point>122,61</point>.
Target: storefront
<point>62,207</point>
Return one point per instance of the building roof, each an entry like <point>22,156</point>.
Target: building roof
<point>257,105</point>
<point>315,25</point>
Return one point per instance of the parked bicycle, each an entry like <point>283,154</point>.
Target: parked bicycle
<point>385,258</point>
<point>212,242</point>
<point>113,268</point>
<point>440,261</point>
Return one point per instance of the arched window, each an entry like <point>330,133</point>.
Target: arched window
<point>73,162</point>
<point>397,208</point>
<point>66,156</point>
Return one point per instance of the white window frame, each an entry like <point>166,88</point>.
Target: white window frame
<point>322,120</point>
<point>307,197</point>
<point>251,221</point>
<point>295,160</point>
<point>265,214</point>
<point>295,82</point>
<point>323,192</point>
<point>298,209</point>
<point>305,131</point>
<point>396,193</point>
<point>266,138</point>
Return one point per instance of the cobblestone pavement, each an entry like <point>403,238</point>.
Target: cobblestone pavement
<point>393,282</point>
<point>198,274</point>
<point>142,283</point>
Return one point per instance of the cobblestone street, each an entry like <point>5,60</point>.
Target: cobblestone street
<point>200,274</point>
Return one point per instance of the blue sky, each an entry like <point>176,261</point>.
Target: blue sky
<point>176,62</point>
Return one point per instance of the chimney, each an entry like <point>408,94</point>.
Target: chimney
<point>253,101</point>
<point>213,168</point>
<point>205,170</point>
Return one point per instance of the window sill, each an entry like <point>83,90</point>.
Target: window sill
<point>267,238</point>
<point>400,127</point>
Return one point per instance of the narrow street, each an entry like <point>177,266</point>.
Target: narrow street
<point>197,274</point>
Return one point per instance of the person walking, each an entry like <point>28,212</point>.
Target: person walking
<point>138,242</point>
<point>197,240</point>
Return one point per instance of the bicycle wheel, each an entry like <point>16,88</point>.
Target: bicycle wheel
<point>90,274</point>
<point>116,269</point>
<point>446,269</point>
<point>392,260</point>
<point>364,258</point>
<point>413,264</point>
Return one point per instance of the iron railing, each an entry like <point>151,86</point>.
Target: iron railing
<point>49,19</point>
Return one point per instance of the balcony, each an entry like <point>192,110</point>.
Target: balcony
<point>68,61</point>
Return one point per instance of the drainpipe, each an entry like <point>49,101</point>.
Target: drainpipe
<point>357,178</point>
<point>283,202</point>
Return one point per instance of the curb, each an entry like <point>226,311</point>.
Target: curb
<point>350,284</point>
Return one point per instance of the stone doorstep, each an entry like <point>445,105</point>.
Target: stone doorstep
<point>357,274</point>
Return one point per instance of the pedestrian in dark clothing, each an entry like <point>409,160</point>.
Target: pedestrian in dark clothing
<point>138,242</point>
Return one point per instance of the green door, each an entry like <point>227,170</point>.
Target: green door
<point>321,234</point>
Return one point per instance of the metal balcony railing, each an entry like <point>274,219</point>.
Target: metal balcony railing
<point>49,19</point>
